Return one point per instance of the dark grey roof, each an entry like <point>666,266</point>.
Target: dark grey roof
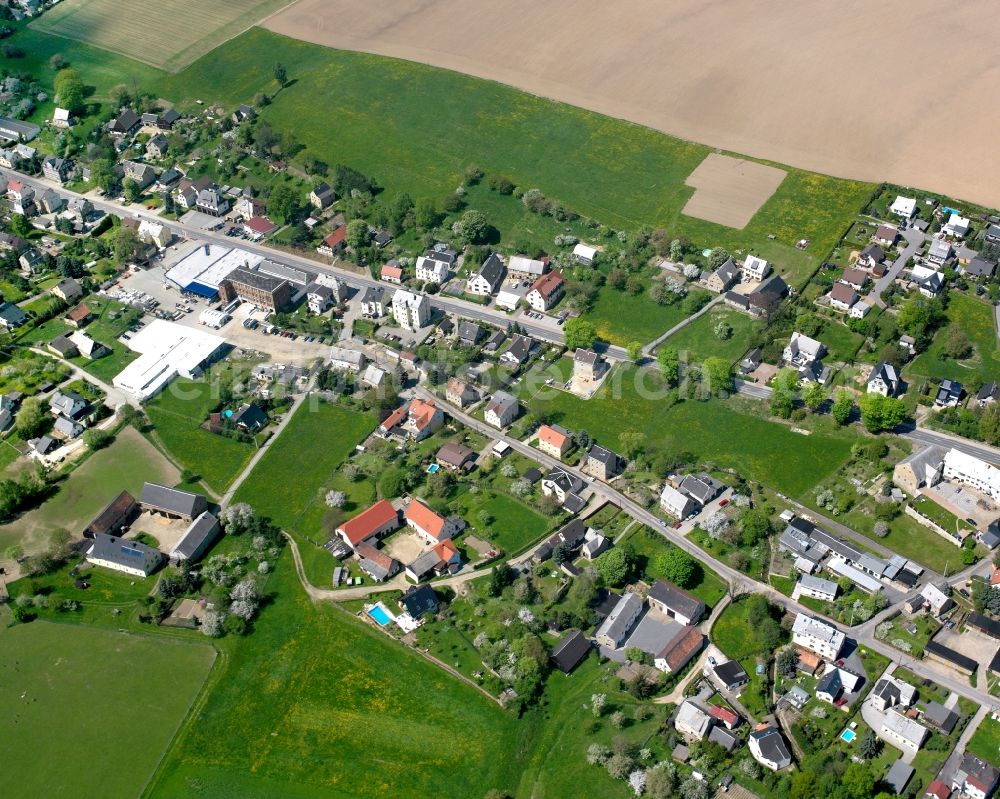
<point>257,280</point>
<point>199,535</point>
<point>940,716</point>
<point>570,651</point>
<point>950,655</point>
<point>469,331</point>
<point>676,599</point>
<point>722,737</point>
<point>492,269</point>
<point>989,390</point>
<point>987,625</point>
<point>418,600</point>
<point>873,251</point>
<point>701,488</point>
<point>125,553</point>
<point>565,480</point>
<point>173,500</point>
<point>13,315</point>
<point>830,683</point>
<point>731,673</point>
<point>605,456</point>
<point>898,776</point>
<point>574,503</point>
<point>250,415</point>
<point>373,294</point>
<point>980,266</point>
<point>772,745</point>
<point>125,121</point>
<point>520,348</point>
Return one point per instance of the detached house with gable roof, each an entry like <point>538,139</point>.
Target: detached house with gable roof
<point>430,525</point>
<point>546,291</point>
<point>487,280</point>
<point>554,440</point>
<point>724,278</point>
<point>501,410</point>
<point>423,418</point>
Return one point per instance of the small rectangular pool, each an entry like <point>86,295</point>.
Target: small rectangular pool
<point>848,735</point>
<point>432,469</point>
<point>378,613</point>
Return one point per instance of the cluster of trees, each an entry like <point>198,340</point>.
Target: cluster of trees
<point>18,494</point>
<point>980,424</point>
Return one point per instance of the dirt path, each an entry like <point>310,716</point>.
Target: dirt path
<point>771,79</point>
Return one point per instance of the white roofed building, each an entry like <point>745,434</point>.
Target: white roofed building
<point>167,350</point>
<point>904,207</point>
<point>973,472</point>
<point>817,636</point>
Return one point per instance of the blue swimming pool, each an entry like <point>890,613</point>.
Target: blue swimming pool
<point>379,614</point>
<point>848,735</point>
<point>432,469</point>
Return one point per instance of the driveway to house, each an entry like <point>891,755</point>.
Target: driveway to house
<point>651,347</point>
<point>914,241</point>
<point>955,758</point>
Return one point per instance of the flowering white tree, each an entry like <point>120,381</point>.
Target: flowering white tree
<point>263,567</point>
<point>520,487</point>
<point>235,517</point>
<point>637,781</point>
<point>716,524</point>
<point>881,528</point>
<point>258,542</point>
<point>597,703</point>
<point>211,623</point>
<point>692,271</point>
<point>336,499</point>
<point>245,591</point>
<point>525,615</point>
<point>481,640</point>
<point>597,754</point>
<point>741,500</point>
<point>883,629</point>
<point>508,470</point>
<point>243,608</point>
<point>675,285</point>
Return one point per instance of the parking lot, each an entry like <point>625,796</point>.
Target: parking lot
<point>972,643</point>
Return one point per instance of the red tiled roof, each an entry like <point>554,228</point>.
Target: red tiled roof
<point>680,648</point>
<point>446,550</point>
<point>260,224</point>
<point>336,237</point>
<point>366,523</point>
<point>79,313</point>
<point>723,714</point>
<point>994,576</point>
<point>423,517</point>
<point>548,283</point>
<point>422,413</point>
<point>392,271</point>
<point>938,789</point>
<point>549,435</point>
<point>393,419</point>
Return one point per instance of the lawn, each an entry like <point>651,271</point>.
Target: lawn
<point>714,431</point>
<point>622,174</point>
<point>700,341</point>
<point>135,31</point>
<point>622,318</point>
<point>126,464</point>
<point>64,684</point>
<point>911,540</point>
<point>286,483</point>
<point>975,318</point>
<point>647,544</point>
<point>177,415</point>
<point>514,525</point>
<point>985,741</point>
<point>313,701</point>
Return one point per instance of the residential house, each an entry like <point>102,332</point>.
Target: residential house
<point>523,268</point>
<point>567,654</point>
<point>243,113</point>
<point>884,380</point>
<point>975,778</point>
<point>391,273</point>
<point>903,732</point>
<point>259,227</point>
<point>129,557</point>
<point>594,544</point>
<point>939,717</point>
<point>373,302</point>
<point>730,676</point>
<point>319,298</point>
<point>322,196</point>
<point>51,202</point>
<point>588,365</point>
<point>411,311</point>
<point>956,226</point>
<point>469,333</point>
<point>751,361</point>
<point>62,118</point>
<point>68,289</point>
<point>155,233</point>
<point>817,636</point>
<point>21,197</point>
<point>723,278</point>
<point>924,467</point>
<point>842,296</point>
<point>859,310</point>
<point>604,464</point>
<point>333,241</point>
<point>210,201</point>
<point>949,394</point>
<point>518,352</point>
<point>418,600</point>
<point>80,209</point>
<point>63,346</point>
<point>89,348</point>
<point>171,502</point>
<point>980,267</point>
<point>423,417</point>
<point>460,393</point>
<point>871,256</point>
<point>675,602</point>
<point>66,428</point>
<point>988,394</point>
<point>701,488</point>
<point>11,316</point>
<point>126,123</point>
<point>725,716</point>
<point>373,522</point>
<point>68,404</point>
<point>693,720</point>
<point>57,169</point>
<point>937,598</point>
<point>904,207</point>
<point>554,440</point>
<point>855,278</point>
<point>501,410</point>
<point>766,297</point>
<point>755,269</point>
<point>456,457</point>
<point>928,281</point>
<point>562,485</point>
<point>249,418</point>
<point>815,587</point>
<point>376,564</point>
<point>620,621</point>
<point>428,524</point>
<point>487,280</point>
<point>142,174</point>
<point>937,790</point>
<point>890,692</point>
<point>769,749</point>
<point>375,377</point>
<point>676,504</point>
<point>249,207</point>
<point>157,146</point>
<point>585,254</point>
<point>435,265</point>
<point>886,235</point>
<point>939,252</point>
<point>802,350</point>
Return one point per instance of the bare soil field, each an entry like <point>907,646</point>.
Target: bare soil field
<point>168,34</point>
<point>891,91</point>
<point>730,190</point>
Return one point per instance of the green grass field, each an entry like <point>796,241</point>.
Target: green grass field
<point>286,483</point>
<point>88,712</point>
<point>177,415</point>
<point>621,318</point>
<point>699,340</point>
<point>564,151</point>
<point>714,431</point>
<point>126,464</point>
<point>985,741</point>
<point>315,704</point>
<point>514,526</point>
<point>140,31</point>
<point>975,318</point>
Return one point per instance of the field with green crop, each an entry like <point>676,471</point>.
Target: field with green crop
<point>316,704</point>
<point>90,712</point>
<point>169,35</point>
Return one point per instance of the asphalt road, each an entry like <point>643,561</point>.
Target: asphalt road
<point>914,241</point>
<point>543,331</point>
